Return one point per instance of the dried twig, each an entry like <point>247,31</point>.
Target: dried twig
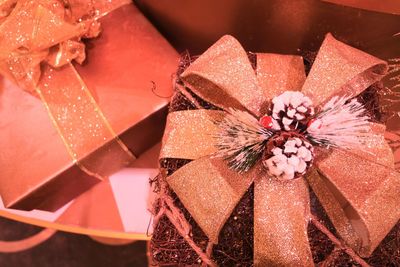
<point>177,218</point>
<point>340,244</point>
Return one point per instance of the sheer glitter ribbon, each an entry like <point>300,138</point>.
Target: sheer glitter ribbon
<point>38,41</point>
<point>358,189</point>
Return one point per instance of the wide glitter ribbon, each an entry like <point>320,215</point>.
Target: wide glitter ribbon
<point>358,189</point>
<point>38,41</point>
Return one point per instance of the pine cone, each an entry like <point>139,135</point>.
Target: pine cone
<point>292,110</point>
<point>288,156</point>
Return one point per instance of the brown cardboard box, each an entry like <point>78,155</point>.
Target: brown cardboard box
<point>35,169</point>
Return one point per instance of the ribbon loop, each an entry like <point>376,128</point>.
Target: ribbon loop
<point>223,76</point>
<point>366,192</point>
<point>65,53</point>
<point>376,149</point>
<point>37,25</point>
<point>210,191</point>
<point>279,73</point>
<point>190,134</point>
<point>340,69</point>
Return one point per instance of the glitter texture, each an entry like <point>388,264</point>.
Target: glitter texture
<point>333,206</point>
<point>340,69</point>
<point>210,205</point>
<point>375,148</point>
<point>190,134</point>
<point>360,192</point>
<point>279,73</point>
<point>223,76</point>
<point>79,120</point>
<point>369,195</point>
<point>281,214</point>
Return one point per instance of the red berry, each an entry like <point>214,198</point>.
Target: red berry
<point>266,121</point>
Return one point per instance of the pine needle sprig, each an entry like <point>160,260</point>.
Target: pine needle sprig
<point>344,123</point>
<point>241,140</point>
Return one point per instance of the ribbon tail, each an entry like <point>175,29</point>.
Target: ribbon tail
<point>281,215</point>
<point>82,126</point>
<point>210,191</point>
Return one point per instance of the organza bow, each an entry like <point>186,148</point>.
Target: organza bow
<point>39,39</point>
<point>358,188</point>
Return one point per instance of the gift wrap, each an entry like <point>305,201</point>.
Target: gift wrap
<point>66,126</point>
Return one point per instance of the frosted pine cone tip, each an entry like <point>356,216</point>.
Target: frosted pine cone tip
<point>288,156</point>
<point>292,110</point>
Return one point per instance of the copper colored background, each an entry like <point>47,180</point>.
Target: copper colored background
<point>279,26</point>
<point>387,6</point>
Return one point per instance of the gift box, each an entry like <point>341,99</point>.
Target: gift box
<point>55,142</point>
<point>269,160</point>
<point>113,209</point>
<point>280,27</point>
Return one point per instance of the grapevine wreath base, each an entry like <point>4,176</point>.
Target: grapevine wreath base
<point>172,246</point>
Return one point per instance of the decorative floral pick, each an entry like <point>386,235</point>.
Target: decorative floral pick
<point>285,139</point>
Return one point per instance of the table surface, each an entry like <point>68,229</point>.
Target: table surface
<point>65,249</point>
<point>116,208</point>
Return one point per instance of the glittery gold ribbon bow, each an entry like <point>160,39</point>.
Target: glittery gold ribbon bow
<point>358,189</point>
<point>38,41</point>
